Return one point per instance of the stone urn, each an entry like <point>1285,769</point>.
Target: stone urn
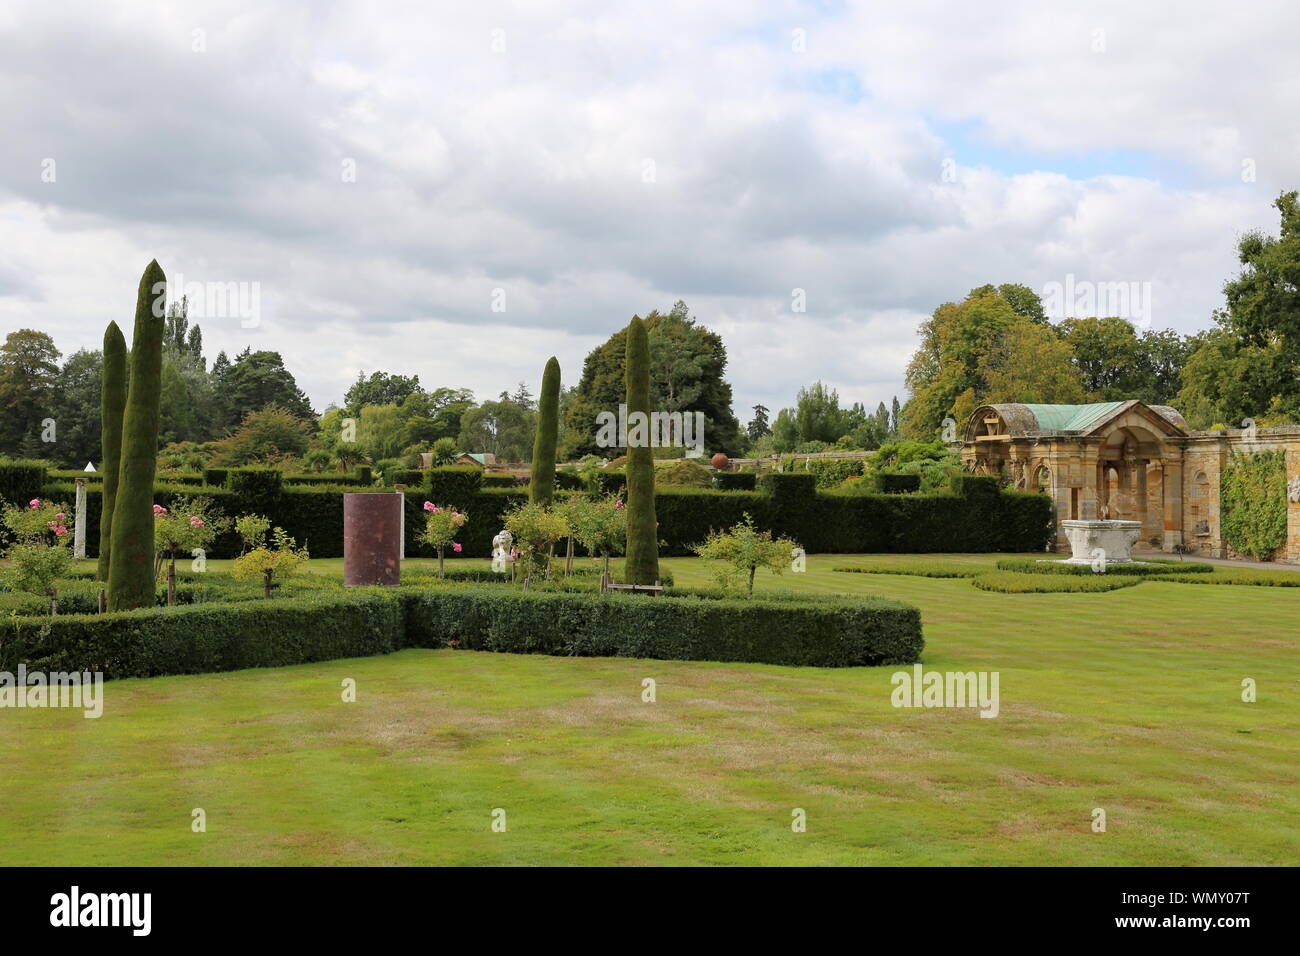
<point>720,461</point>
<point>1114,539</point>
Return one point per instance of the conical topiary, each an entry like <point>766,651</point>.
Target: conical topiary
<point>112,402</point>
<point>642,564</point>
<point>541,487</point>
<point>130,570</point>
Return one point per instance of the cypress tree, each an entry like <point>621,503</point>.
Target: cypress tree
<point>112,401</point>
<point>131,570</point>
<point>642,564</point>
<point>541,487</point>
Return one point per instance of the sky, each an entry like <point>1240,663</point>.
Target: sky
<point>458,191</point>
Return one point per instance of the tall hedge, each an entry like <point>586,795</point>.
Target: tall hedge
<point>130,571</point>
<point>642,564</point>
<point>112,404</point>
<point>821,523</point>
<point>541,486</point>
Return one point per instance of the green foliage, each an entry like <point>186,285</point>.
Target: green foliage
<point>686,365</point>
<point>252,530</point>
<point>684,472</point>
<point>742,550</point>
<point>441,526</point>
<point>642,564</point>
<point>130,570</point>
<point>896,484</point>
<point>975,486</point>
<point>770,629</point>
<point>208,637</point>
<point>455,484</point>
<point>1009,582</point>
<point>190,524</point>
<point>935,569</point>
<point>257,486</point>
<point>252,382</point>
<point>29,368</point>
<point>112,407</point>
<point>828,472</point>
<point>1145,568</point>
<point>40,554</point>
<point>273,563</point>
<point>1253,493</point>
<point>269,435</point>
<point>535,529</point>
<point>599,525</point>
<point>541,487</point>
<point>734,481</point>
<point>21,480</point>
<point>443,451</point>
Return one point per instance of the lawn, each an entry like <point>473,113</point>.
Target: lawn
<point>1128,700</point>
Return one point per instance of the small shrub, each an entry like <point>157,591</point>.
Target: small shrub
<point>535,529</point>
<point>742,550</point>
<point>273,563</point>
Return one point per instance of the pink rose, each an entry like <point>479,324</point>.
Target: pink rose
<point>159,510</point>
<point>618,505</point>
<point>196,521</point>
<point>35,503</point>
<point>456,546</point>
<point>60,516</point>
<point>428,506</point>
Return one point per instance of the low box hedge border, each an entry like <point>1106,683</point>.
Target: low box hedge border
<point>1141,568</point>
<point>209,637</point>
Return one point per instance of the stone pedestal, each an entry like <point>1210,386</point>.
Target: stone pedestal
<point>1114,538</point>
<point>79,528</point>
<point>372,539</point>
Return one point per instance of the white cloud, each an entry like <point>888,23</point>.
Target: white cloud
<point>525,170</point>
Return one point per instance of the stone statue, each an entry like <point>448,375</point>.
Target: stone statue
<point>1293,489</point>
<point>502,551</point>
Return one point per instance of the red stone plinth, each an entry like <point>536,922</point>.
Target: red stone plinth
<point>372,539</point>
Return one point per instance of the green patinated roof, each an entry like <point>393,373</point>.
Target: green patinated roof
<point>1070,418</point>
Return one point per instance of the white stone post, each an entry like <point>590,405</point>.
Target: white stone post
<point>79,529</point>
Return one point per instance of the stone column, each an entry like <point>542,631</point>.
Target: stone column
<point>1173,489</point>
<point>79,529</point>
<point>1140,498</point>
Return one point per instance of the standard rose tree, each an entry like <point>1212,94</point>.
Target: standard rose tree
<point>441,525</point>
<point>40,554</point>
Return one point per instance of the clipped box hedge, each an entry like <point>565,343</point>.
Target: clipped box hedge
<point>202,638</point>
<point>231,635</point>
<point>764,630</point>
<point>897,484</point>
<point>735,481</point>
